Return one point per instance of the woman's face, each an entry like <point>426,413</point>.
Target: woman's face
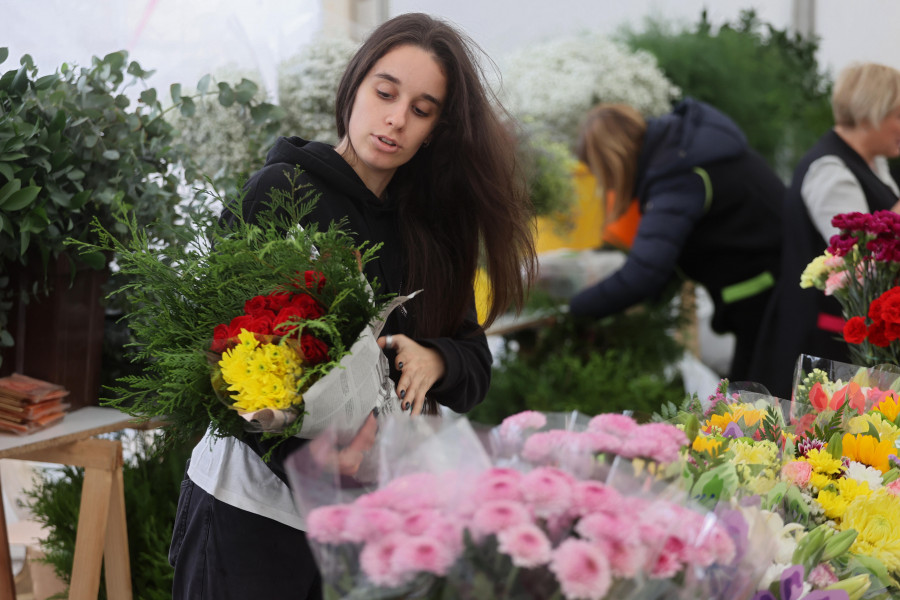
<point>886,139</point>
<point>396,108</point>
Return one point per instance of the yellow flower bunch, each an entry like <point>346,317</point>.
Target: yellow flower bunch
<point>889,407</point>
<point>749,413</point>
<point>816,272</point>
<point>261,375</point>
<point>887,431</point>
<point>836,501</point>
<point>707,443</point>
<point>876,517</point>
<point>824,467</point>
<point>756,463</point>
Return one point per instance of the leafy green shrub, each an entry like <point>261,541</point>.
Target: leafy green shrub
<point>768,80</point>
<point>74,146</point>
<point>618,363</point>
<point>152,485</point>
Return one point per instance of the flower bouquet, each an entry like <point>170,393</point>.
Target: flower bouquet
<point>449,520</point>
<point>804,466</point>
<point>861,269</point>
<point>264,327</point>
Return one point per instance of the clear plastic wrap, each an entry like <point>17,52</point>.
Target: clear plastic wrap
<point>440,510</point>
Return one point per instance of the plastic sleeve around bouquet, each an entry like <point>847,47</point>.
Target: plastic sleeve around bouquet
<point>596,447</point>
<point>438,515</point>
<point>823,385</point>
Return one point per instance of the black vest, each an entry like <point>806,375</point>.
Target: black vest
<point>793,323</point>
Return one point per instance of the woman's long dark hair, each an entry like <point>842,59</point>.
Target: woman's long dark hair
<point>462,193</point>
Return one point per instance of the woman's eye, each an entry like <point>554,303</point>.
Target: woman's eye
<point>382,94</point>
<point>418,111</point>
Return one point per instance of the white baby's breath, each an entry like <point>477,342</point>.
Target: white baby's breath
<point>554,83</point>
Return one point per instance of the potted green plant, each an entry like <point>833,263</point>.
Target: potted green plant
<point>78,144</point>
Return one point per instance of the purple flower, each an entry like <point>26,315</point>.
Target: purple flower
<point>791,588</point>
<point>733,431</point>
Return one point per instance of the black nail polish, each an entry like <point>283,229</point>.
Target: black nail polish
<point>375,412</point>
<point>402,394</point>
<point>400,367</point>
<point>406,406</point>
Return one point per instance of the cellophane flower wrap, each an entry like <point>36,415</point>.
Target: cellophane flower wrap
<point>245,326</point>
<point>804,463</point>
<point>460,512</point>
<point>861,269</point>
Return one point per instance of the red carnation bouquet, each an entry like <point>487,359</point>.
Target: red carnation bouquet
<point>861,269</point>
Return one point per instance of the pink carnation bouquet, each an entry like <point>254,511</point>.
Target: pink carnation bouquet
<point>450,518</point>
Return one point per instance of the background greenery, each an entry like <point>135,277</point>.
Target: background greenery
<point>767,79</point>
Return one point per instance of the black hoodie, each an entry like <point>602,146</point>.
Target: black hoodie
<point>719,243</point>
<point>341,194</point>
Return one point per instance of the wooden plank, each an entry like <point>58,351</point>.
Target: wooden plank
<point>94,453</point>
<point>115,553</point>
<point>91,534</point>
<point>78,425</point>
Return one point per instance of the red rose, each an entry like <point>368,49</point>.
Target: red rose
<point>220,338</point>
<point>314,350</point>
<point>307,306</point>
<point>254,305</point>
<point>275,302</point>
<point>314,280</point>
<point>877,335</point>
<point>286,318</point>
<point>855,330</point>
<point>261,324</point>
<point>238,323</point>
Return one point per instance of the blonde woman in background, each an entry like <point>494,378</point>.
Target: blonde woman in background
<point>710,210</point>
<point>845,171</point>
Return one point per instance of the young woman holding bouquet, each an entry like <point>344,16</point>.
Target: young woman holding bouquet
<point>424,166</point>
<point>710,210</point>
<point>846,171</point>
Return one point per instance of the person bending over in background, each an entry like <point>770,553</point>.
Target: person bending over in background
<point>845,171</point>
<point>710,210</point>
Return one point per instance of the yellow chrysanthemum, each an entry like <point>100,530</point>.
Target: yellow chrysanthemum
<point>835,502</point>
<point>822,462</point>
<point>736,412</point>
<point>888,407</point>
<point>708,444</point>
<point>261,375</point>
<point>868,450</point>
<point>876,518</point>
<point>819,480</point>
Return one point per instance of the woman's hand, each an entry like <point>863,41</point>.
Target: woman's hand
<point>420,368</point>
<point>346,460</point>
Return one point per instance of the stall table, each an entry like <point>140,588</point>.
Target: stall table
<point>102,534</point>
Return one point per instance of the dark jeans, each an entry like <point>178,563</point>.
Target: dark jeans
<point>220,552</point>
